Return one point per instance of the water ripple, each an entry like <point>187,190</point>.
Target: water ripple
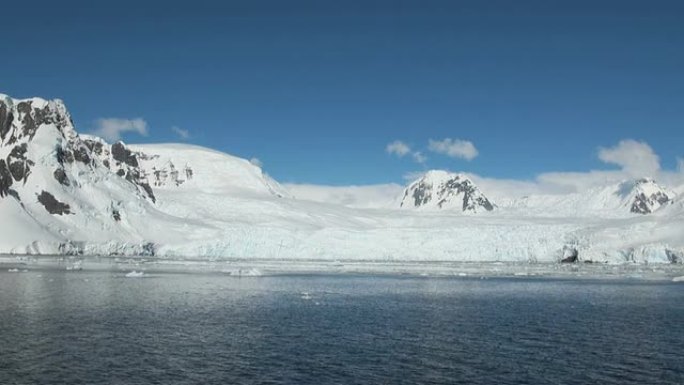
<point>96,328</point>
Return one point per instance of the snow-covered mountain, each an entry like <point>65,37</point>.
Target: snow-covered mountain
<point>627,198</point>
<point>62,187</point>
<point>439,189</point>
<point>646,196</point>
<point>66,193</point>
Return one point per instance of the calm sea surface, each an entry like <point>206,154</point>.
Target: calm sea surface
<point>100,327</point>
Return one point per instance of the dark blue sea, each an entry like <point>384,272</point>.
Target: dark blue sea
<point>59,327</point>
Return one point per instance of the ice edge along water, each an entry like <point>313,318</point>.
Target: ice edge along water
<point>65,193</point>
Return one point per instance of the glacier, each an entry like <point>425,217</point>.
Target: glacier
<point>70,194</point>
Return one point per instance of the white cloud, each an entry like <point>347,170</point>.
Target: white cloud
<point>411,176</point>
<point>257,162</point>
<point>401,149</point>
<point>111,129</point>
<point>570,182</point>
<point>380,195</point>
<point>504,191</point>
<point>182,133</point>
<point>419,157</point>
<point>635,158</point>
<point>398,148</point>
<point>454,148</point>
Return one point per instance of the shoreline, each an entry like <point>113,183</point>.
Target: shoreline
<point>283,267</point>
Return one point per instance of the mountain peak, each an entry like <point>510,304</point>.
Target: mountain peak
<point>20,119</point>
<point>439,189</point>
<point>647,196</point>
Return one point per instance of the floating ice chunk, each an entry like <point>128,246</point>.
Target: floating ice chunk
<point>251,273</point>
<point>135,274</point>
<point>12,270</point>
<point>306,296</point>
<point>242,272</point>
<point>76,266</point>
<point>678,279</point>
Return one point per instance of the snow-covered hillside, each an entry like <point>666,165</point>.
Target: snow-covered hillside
<point>624,199</point>
<point>66,193</point>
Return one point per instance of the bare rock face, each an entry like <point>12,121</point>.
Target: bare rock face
<point>22,120</point>
<point>123,155</point>
<point>649,196</point>
<point>52,205</point>
<point>444,190</point>
<point>6,118</point>
<point>19,165</point>
<point>5,179</point>
<point>168,174</point>
<point>61,177</point>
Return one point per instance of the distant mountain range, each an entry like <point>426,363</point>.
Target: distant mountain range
<point>67,193</point>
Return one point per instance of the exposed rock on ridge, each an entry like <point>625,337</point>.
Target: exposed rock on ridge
<point>443,190</point>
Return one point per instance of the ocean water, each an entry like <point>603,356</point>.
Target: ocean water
<point>103,327</point>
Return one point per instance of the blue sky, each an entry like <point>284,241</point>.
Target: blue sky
<point>317,89</point>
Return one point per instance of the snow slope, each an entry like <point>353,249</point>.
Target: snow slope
<point>624,199</point>
<point>66,193</point>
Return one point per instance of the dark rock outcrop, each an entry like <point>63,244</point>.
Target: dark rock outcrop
<point>121,154</point>
<point>149,192</point>
<point>5,178</point>
<point>649,196</point>
<point>19,166</point>
<point>61,177</point>
<point>28,124</point>
<point>644,204</point>
<point>81,154</point>
<point>169,174</point>
<point>441,189</point>
<point>64,156</point>
<point>570,255</point>
<point>94,146</point>
<point>471,196</point>
<point>14,194</point>
<point>21,120</point>
<point>52,205</point>
<point>6,118</point>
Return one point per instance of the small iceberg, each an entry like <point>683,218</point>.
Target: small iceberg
<point>306,296</point>
<point>243,272</point>
<point>12,270</point>
<point>678,279</point>
<point>135,274</point>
